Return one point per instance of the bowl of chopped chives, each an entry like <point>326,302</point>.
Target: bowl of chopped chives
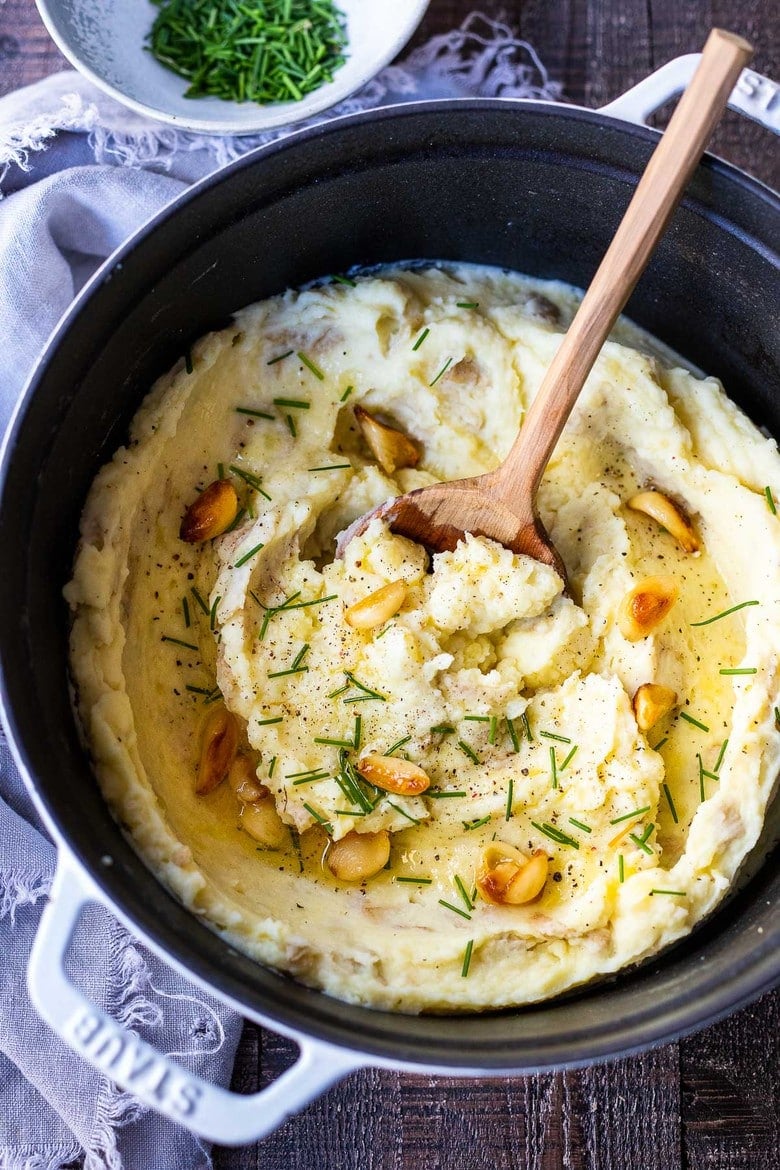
<point>230,66</point>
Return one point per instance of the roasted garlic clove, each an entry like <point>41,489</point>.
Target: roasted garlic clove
<point>242,778</point>
<point>219,743</point>
<point>669,515</point>
<point>358,856</point>
<point>211,513</point>
<point>507,877</point>
<point>392,774</point>
<point>378,607</point>
<point>263,823</point>
<point>651,702</point>
<point>645,606</point>
<point>392,448</point>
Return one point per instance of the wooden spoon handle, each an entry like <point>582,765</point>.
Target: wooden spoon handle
<point>660,188</point>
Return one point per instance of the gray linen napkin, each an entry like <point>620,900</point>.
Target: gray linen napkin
<point>78,175</point>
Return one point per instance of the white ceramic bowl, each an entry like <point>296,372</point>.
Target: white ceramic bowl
<point>105,41</point>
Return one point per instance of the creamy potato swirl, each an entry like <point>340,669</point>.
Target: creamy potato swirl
<point>513,696</point>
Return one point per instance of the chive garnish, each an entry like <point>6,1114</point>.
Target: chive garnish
<point>314,369</point>
<point>477,718</point>
<point>332,467</point>
<point>661,743</point>
<point>253,414</point>
<point>220,471</point>
<point>178,642</point>
<point>641,842</point>
<point>467,958</point>
<point>553,767</point>
<point>271,767</point>
<point>366,692</point>
<point>721,754</point>
<point>725,613</point>
<point>442,729</point>
<point>358,732</point>
<point>527,727</point>
<point>199,600</point>
<point>551,735</point>
<point>670,802</point>
<point>268,722</point>
<point>637,812</point>
<point>580,825</point>
<point>344,280</point>
<point>185,608</point>
<point>340,691</point>
<point>213,696</point>
<point>493,729</point>
<point>188,361</point>
<point>398,744</point>
<point>510,726</point>
<point>252,480</point>
<point>296,666</point>
<point>695,722</point>
<point>248,556</point>
<point>421,338</point>
<point>341,743</point>
<point>510,798</point>
<point>349,812</point>
<point>770,500</point>
<point>467,304</point>
<point>674,893</point>
<point>416,881</point>
<point>469,751</point>
<point>197,690</point>
<point>476,824</point>
<point>290,421</point>
<point>310,779</point>
<point>442,371</point>
<point>739,670</point>
<point>463,892</point>
<point>292,403</point>
<point>621,869</point>
<point>556,834</point>
<point>213,612</point>
<point>327,826</point>
<point>403,813</point>
<point>240,514</point>
<point>436,794</point>
<point>289,603</point>
<point>455,909</point>
<point>569,758</point>
<point>346,394</point>
<point>280,357</point>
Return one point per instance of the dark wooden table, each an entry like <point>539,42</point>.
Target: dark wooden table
<point>708,1102</point>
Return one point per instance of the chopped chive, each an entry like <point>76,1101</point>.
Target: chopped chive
<point>398,744</point>
<point>252,480</point>
<point>469,751</point>
<point>527,727</point>
<point>621,869</point>
<point>551,735</point>
<point>341,743</point>
<point>477,718</point>
<point>702,790</point>
<point>178,642</point>
<point>220,471</point>
<point>327,826</point>
<point>770,500</point>
<point>477,824</point>
<point>248,556</point>
<point>310,779</point>
<point>569,758</point>
<point>553,767</point>
<point>467,304</point>
<point>493,729</point>
<point>213,612</point>
<point>253,414</point>
<point>435,794</point>
<point>188,361</point>
<point>674,893</point>
<point>197,690</point>
<point>510,726</point>
<point>290,670</point>
<point>455,909</point>
<point>332,467</point>
<point>641,842</point>
<point>349,812</point>
<point>670,802</point>
<point>382,633</point>
<point>185,608</point>
<point>310,366</point>
<point>213,696</point>
<point>240,514</point>
<point>442,729</point>
<point>421,338</point>
<point>344,280</point>
<point>358,732</point>
<point>291,427</point>
<point>335,694</point>
<point>637,812</point>
<point>725,613</point>
<point>415,881</point>
<point>467,958</point>
<point>721,754</point>
<point>661,743</point>
<point>695,722</point>
<point>463,892</point>
<point>739,670</point>
<point>510,798</point>
<point>367,694</point>
<point>268,722</point>
<point>580,825</point>
<point>200,600</point>
<point>346,394</point>
<point>398,809</point>
<point>305,772</point>
<point>271,767</point>
<point>556,834</point>
<point>442,371</point>
<point>280,357</point>
<point>292,403</point>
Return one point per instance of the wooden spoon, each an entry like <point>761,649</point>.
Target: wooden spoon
<point>502,504</point>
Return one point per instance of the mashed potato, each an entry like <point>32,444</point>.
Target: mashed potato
<point>515,697</point>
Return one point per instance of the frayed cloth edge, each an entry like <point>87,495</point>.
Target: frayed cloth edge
<point>54,1158</point>
<point>18,889</point>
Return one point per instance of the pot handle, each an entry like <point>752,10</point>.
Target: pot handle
<point>754,95</point>
<point>214,1113</point>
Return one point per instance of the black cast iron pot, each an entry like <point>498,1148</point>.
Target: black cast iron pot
<point>530,186</point>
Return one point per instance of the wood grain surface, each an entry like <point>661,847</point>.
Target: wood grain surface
<point>708,1102</point>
